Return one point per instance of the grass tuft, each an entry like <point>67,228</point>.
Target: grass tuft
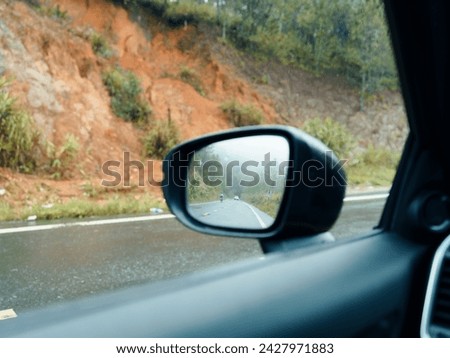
<point>333,134</point>
<point>189,76</point>
<point>160,139</point>
<point>125,91</point>
<point>19,138</point>
<point>100,45</point>
<point>241,115</point>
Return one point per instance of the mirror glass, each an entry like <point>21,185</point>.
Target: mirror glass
<point>238,183</point>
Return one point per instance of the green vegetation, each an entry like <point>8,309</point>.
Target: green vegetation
<point>375,166</point>
<point>126,95</point>
<point>62,158</point>
<point>333,134</point>
<point>47,9</point>
<point>200,192</point>
<point>82,208</point>
<point>160,139</point>
<point>6,212</point>
<point>18,136</point>
<point>100,45</point>
<point>20,142</point>
<point>347,38</point>
<point>269,204</point>
<point>242,114</point>
<point>187,12</point>
<point>372,166</point>
<point>189,76</point>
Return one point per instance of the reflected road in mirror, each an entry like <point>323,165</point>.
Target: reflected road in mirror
<point>238,183</point>
<point>239,213</point>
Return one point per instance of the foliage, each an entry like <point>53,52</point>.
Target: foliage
<point>380,157</point>
<point>185,12</point>
<point>50,10</point>
<point>201,192</point>
<point>100,45</point>
<point>6,212</point>
<point>18,136</point>
<point>125,91</point>
<point>81,208</point>
<point>242,114</point>
<point>160,139</point>
<point>333,134</point>
<point>372,166</point>
<point>375,166</point>
<point>348,38</point>
<point>189,76</point>
<point>63,157</point>
<point>267,204</point>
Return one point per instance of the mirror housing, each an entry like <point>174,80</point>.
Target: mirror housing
<point>313,194</point>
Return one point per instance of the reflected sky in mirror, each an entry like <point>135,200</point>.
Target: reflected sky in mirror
<point>238,183</point>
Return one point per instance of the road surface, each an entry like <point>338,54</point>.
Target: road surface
<point>54,262</point>
<point>231,213</point>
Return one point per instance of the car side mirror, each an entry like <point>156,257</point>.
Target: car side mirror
<point>258,182</point>
<point>238,183</point>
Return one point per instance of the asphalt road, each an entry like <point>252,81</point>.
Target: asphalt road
<point>235,213</point>
<point>55,262</point>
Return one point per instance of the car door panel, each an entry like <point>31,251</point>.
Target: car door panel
<point>356,288</point>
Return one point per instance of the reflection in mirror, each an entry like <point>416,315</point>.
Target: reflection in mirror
<point>238,183</point>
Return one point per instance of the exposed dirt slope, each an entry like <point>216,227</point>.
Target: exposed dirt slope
<point>297,96</point>
<point>57,77</point>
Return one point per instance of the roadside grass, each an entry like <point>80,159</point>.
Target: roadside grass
<point>269,205</point>
<point>333,134</point>
<point>374,167</point>
<point>117,204</point>
<point>368,175</point>
<point>6,212</point>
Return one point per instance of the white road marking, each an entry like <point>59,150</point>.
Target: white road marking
<point>32,228</point>
<point>7,314</point>
<point>15,230</point>
<point>366,197</point>
<point>260,221</point>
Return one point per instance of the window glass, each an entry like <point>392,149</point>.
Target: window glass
<point>94,94</point>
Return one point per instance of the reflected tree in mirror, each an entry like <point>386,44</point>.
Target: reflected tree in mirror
<point>238,183</point>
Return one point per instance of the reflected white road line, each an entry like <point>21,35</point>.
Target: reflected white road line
<point>260,221</point>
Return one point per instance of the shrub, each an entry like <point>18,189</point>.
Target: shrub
<point>374,166</point>
<point>63,157</point>
<point>100,46</point>
<point>18,136</point>
<point>333,134</point>
<point>6,211</point>
<point>187,12</point>
<point>125,91</point>
<point>51,11</point>
<point>242,114</point>
<point>189,76</point>
<point>380,157</point>
<point>161,138</point>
